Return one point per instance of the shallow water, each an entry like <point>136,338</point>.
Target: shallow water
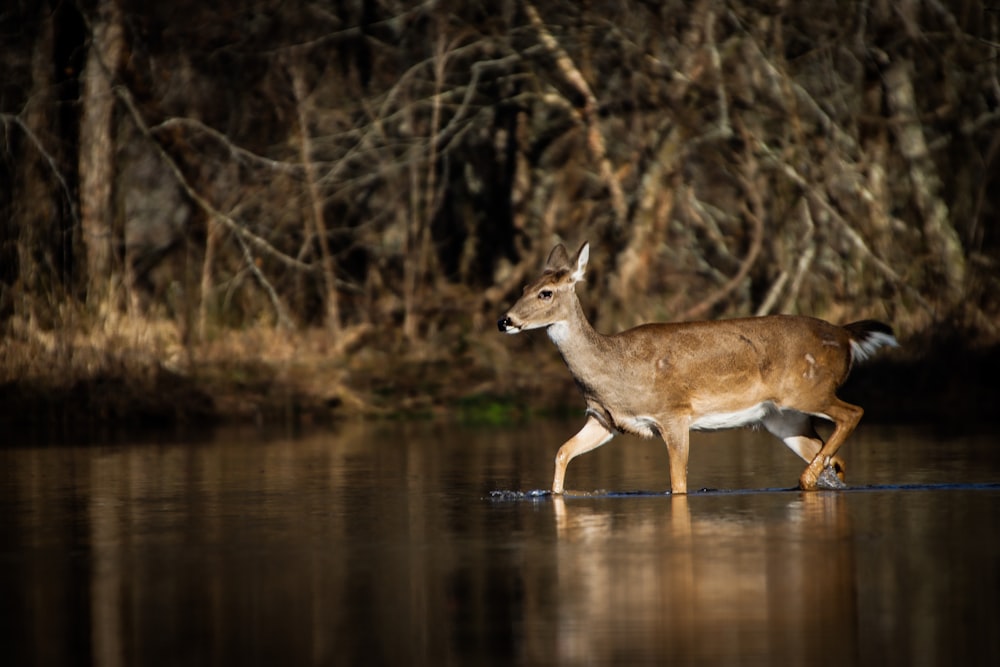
<point>420,544</point>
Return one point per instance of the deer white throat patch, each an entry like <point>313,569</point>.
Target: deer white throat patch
<point>558,332</point>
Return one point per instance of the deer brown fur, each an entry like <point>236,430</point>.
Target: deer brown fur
<point>664,379</point>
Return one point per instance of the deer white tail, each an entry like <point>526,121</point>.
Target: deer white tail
<point>867,336</point>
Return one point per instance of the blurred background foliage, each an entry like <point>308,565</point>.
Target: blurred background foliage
<point>338,198</point>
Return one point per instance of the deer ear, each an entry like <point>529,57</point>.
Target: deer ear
<point>558,259</point>
<point>582,256</point>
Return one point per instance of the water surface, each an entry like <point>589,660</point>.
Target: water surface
<point>384,545</point>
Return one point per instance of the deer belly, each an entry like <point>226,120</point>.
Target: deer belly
<point>712,421</point>
<point>645,427</point>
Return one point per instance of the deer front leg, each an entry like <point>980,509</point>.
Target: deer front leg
<point>677,438</point>
<point>846,417</point>
<point>591,436</point>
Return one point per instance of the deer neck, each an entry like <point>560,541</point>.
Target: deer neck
<point>579,344</point>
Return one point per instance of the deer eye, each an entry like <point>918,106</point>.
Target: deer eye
<point>545,294</point>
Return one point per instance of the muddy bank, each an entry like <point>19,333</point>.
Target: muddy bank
<point>263,379</point>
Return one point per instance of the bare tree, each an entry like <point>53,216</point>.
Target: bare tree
<point>97,150</point>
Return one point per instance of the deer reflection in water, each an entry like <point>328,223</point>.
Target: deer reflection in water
<point>731,582</point>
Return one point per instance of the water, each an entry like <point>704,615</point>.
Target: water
<point>383,545</point>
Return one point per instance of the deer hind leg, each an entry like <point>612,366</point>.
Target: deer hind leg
<point>845,418</point>
<point>796,430</point>
<point>591,436</point>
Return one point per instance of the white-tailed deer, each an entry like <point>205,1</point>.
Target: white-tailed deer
<point>664,379</point>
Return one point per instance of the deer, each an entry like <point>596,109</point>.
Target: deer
<point>666,379</point>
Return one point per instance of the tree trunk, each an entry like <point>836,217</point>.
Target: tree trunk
<point>97,151</point>
<point>332,314</point>
<point>947,254</point>
<point>38,214</point>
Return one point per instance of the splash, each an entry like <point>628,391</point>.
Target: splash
<point>502,495</point>
<point>828,480</point>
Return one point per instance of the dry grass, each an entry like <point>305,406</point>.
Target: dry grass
<point>134,371</point>
<point>141,370</point>
<point>138,368</point>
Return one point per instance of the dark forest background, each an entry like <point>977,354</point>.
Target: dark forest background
<point>290,207</point>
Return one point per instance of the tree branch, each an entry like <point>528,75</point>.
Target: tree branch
<point>754,213</point>
<point>587,115</point>
<point>241,231</point>
<point>10,119</point>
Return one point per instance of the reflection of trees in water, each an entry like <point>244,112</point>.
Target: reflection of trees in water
<point>376,543</point>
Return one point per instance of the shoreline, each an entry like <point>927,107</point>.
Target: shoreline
<point>255,379</point>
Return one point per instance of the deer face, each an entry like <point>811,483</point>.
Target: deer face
<point>550,299</point>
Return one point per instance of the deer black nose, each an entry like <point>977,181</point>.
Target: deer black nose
<point>503,323</point>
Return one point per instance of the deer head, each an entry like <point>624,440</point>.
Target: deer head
<point>551,299</point>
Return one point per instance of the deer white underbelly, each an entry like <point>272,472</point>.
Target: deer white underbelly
<point>721,420</point>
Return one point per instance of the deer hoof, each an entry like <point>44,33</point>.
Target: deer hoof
<point>830,479</point>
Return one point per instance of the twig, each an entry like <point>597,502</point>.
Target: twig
<point>803,97</point>
<point>767,305</point>
<point>315,199</point>
<point>279,309</point>
<point>587,115</point>
<point>819,200</point>
<point>239,151</point>
<point>239,230</point>
<point>9,119</point>
<point>706,218</point>
<point>725,128</point>
<point>805,259</point>
<point>755,213</point>
<point>925,183</point>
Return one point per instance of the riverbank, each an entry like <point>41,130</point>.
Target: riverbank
<point>143,375</point>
